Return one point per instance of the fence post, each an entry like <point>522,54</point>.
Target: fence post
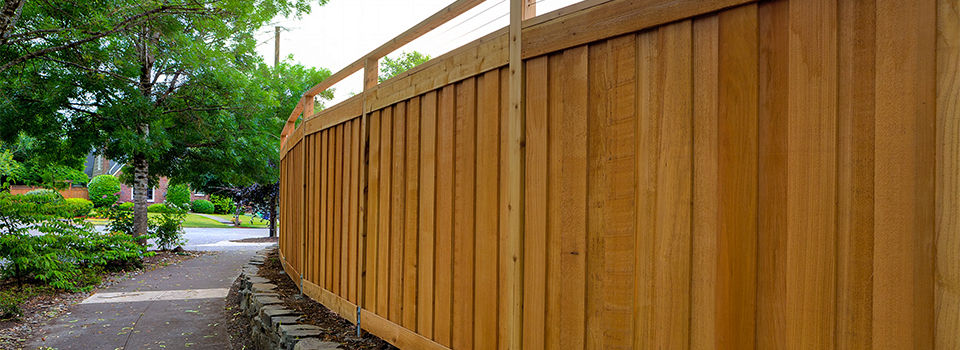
<point>512,259</point>
<point>370,75</point>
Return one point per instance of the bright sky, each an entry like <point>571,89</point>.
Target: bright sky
<point>335,35</point>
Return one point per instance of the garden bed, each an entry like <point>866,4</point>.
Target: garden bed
<point>43,303</point>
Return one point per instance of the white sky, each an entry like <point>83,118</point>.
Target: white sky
<point>335,35</point>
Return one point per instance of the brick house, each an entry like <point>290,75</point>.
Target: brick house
<point>99,165</point>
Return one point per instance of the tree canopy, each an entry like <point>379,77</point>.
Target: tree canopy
<point>391,67</point>
<point>171,88</point>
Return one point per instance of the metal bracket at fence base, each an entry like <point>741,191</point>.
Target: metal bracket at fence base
<point>358,322</point>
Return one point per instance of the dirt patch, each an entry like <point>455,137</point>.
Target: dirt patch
<point>238,327</point>
<point>39,309</point>
<point>256,240</point>
<point>338,329</point>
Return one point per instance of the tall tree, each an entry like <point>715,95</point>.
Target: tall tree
<point>153,89</point>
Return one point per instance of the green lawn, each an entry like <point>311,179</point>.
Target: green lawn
<point>194,220</point>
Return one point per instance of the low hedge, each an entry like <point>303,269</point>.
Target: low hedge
<point>202,206</point>
<point>126,206</point>
<point>158,208</point>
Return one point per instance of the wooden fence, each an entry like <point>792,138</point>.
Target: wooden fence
<point>667,174</point>
<point>69,192</point>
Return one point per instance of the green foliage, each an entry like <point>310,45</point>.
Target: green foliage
<point>61,250</point>
<point>43,196</point>
<point>103,190</point>
<point>222,204</point>
<point>68,208</point>
<point>391,67</point>
<point>30,165</point>
<point>178,196</point>
<point>158,208</point>
<point>11,299</point>
<point>202,206</point>
<point>125,206</point>
<point>168,229</point>
<point>8,167</point>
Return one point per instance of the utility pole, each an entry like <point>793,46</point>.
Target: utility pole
<point>276,46</point>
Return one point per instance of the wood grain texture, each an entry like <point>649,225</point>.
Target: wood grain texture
<point>487,206</point>
<point>372,250</point>
<point>737,178</point>
<point>948,175</point>
<point>445,208</point>
<point>464,215</point>
<point>427,210</point>
<point>535,199</point>
<point>904,166</point>
<point>398,210</point>
<point>703,279</point>
<point>411,215</point>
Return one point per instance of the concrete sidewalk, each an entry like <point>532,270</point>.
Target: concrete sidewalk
<point>176,307</point>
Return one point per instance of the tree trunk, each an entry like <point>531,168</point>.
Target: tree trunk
<point>9,14</point>
<point>273,217</point>
<point>140,187</point>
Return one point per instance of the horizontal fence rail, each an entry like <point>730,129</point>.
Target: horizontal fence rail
<point>647,174</point>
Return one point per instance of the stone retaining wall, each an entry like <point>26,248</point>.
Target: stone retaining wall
<point>272,326</point>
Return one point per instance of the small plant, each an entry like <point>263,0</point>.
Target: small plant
<point>202,206</point>
<point>168,229</point>
<point>103,190</point>
<point>82,207</point>
<point>222,205</point>
<point>128,206</point>
<point>178,196</point>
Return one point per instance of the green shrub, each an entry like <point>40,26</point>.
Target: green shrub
<point>179,196</point>
<point>43,196</point>
<point>125,206</point>
<point>158,208</point>
<point>167,228</point>
<point>69,208</point>
<point>202,206</point>
<point>222,205</point>
<point>104,190</point>
<point>64,252</point>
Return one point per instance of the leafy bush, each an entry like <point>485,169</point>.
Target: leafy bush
<point>202,206</point>
<point>158,208</point>
<point>126,206</point>
<point>43,196</point>
<point>168,229</point>
<point>69,208</point>
<point>103,190</point>
<point>179,196</point>
<point>222,205</point>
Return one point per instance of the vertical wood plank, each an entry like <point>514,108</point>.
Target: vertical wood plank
<point>774,23</point>
<point>856,34</point>
<point>737,178</point>
<point>464,196</point>
<point>597,113</point>
<point>535,200</point>
<point>511,258</point>
<point>331,209</point>
<point>322,215</point>
<point>504,190</point>
<point>552,172</point>
<point>486,224</point>
<point>355,188</point>
<point>386,213</point>
<point>948,175</point>
<point>398,202</point>
<point>649,96</point>
<point>674,181</point>
<point>703,284</point>
<point>904,163</point>
<point>428,184</point>
<point>337,216</point>
<point>346,214</point>
<point>372,251</point>
<point>573,198</point>
<point>445,209</point>
<point>411,230</point>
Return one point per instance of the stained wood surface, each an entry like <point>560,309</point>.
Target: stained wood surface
<point>719,174</point>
